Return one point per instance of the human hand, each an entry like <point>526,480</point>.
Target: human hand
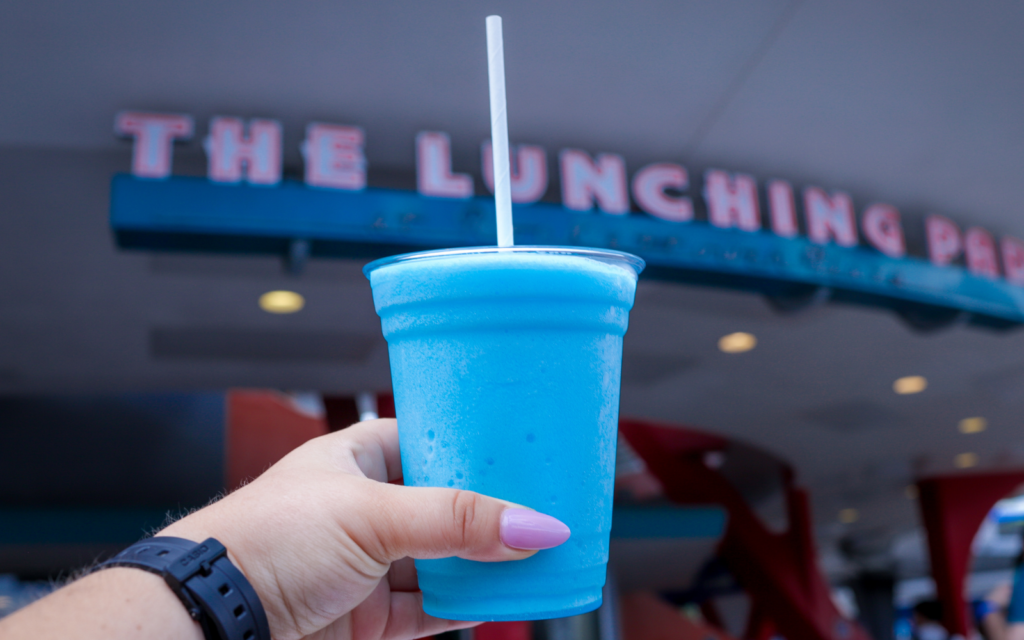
<point>328,544</point>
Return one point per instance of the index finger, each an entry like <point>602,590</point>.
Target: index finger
<point>374,445</point>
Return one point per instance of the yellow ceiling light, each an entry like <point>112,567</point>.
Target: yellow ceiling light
<point>737,342</point>
<point>848,516</point>
<point>972,425</point>
<point>282,302</point>
<point>910,384</point>
<point>965,460</point>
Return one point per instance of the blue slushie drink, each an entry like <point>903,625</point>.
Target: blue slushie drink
<point>506,365</point>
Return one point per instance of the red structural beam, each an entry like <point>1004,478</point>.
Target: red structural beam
<point>952,508</point>
<point>778,570</point>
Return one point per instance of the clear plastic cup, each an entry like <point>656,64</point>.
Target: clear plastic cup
<point>506,364</point>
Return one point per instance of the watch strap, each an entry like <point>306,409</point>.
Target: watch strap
<point>214,592</point>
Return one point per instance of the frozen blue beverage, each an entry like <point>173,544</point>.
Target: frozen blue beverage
<point>506,365</point>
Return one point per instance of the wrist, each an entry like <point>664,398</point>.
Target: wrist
<point>217,521</point>
<point>199,526</point>
<point>209,586</point>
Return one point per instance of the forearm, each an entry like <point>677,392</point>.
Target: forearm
<point>112,604</point>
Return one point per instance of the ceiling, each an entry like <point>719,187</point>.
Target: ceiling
<point>916,104</point>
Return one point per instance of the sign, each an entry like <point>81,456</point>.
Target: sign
<point>332,212</point>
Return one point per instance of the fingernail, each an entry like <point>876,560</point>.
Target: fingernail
<point>526,529</point>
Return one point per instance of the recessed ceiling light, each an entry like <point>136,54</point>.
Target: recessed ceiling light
<point>910,384</point>
<point>282,302</point>
<point>714,459</point>
<point>847,516</point>
<point>965,460</point>
<point>972,425</point>
<point>737,342</point>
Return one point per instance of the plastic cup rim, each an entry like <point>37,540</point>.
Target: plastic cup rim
<point>619,258</point>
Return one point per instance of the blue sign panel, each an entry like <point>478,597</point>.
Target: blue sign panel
<point>195,214</point>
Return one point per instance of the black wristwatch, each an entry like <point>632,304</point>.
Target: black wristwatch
<point>213,590</point>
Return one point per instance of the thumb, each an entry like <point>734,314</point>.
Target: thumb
<point>422,522</point>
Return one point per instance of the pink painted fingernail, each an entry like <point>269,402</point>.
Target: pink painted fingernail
<point>526,529</point>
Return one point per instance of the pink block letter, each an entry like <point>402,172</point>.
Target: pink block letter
<point>883,229</point>
<point>1013,259</point>
<point>153,133</point>
<point>732,201</point>
<point>334,157</point>
<point>980,253</point>
<point>434,175</point>
<point>944,242</point>
<point>782,209</point>
<point>234,156</point>
<point>649,186</point>
<point>528,166</point>
<point>583,182</point>
<point>830,218</point>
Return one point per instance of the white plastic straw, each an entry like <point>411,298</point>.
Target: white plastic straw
<point>499,131</point>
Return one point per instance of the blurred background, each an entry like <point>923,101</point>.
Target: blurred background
<point>833,435</point>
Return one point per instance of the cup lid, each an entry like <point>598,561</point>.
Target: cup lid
<point>610,256</point>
